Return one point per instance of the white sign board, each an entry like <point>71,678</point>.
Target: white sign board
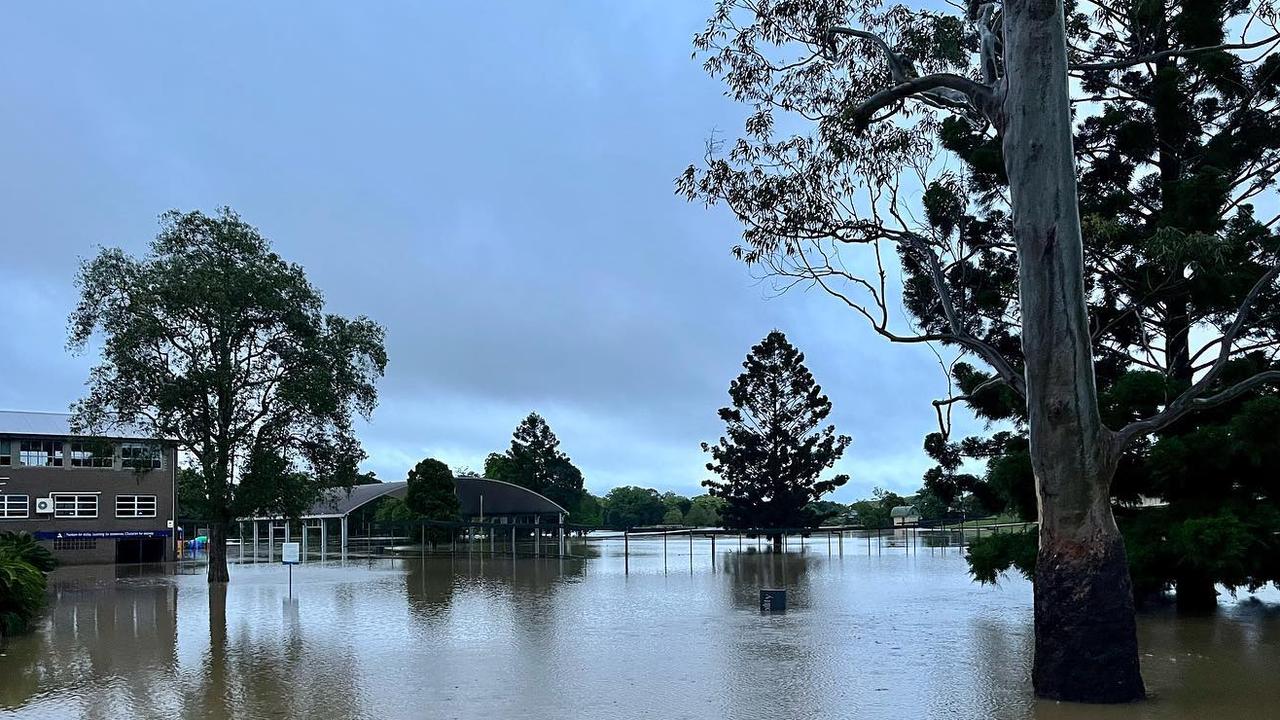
<point>290,552</point>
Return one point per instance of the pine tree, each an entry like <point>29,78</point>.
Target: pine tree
<point>774,449</point>
<point>535,461</point>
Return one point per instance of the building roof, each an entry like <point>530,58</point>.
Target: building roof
<point>903,511</point>
<point>56,424</point>
<point>477,496</point>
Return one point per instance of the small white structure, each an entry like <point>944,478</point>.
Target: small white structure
<point>905,515</point>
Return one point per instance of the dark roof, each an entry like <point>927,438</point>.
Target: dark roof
<point>476,495</point>
<point>904,511</point>
<point>56,424</point>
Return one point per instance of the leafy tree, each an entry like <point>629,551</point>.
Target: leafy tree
<point>831,512</point>
<point>679,502</point>
<point>874,513</point>
<point>394,511</point>
<point>673,517</point>
<point>629,506</point>
<point>535,461</point>
<point>216,341</point>
<point>367,478</point>
<point>996,267</point>
<point>704,511</point>
<point>431,492</point>
<point>775,447</point>
<point>590,511</point>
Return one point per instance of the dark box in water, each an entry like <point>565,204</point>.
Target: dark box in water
<point>773,600</point>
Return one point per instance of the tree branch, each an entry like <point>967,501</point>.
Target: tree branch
<point>1191,400</point>
<point>1176,52</point>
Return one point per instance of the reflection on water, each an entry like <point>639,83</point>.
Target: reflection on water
<point>671,634</point>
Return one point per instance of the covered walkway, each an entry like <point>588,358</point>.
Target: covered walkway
<point>486,506</point>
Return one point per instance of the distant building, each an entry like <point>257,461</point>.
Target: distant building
<point>105,498</point>
<point>905,515</point>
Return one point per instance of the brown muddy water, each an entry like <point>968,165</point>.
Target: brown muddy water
<point>885,635</point>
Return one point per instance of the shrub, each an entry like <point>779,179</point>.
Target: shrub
<point>26,548</point>
<point>21,592</point>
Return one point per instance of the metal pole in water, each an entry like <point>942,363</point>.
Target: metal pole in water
<point>271,538</point>
<point>664,551</point>
<point>513,541</point>
<point>255,539</point>
<point>626,553</point>
<point>690,551</point>
<point>713,551</point>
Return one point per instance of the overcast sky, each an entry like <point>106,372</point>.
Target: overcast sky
<point>495,189</point>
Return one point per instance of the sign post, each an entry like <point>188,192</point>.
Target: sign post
<point>289,555</point>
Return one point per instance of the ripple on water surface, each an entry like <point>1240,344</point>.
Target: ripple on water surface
<point>477,636</point>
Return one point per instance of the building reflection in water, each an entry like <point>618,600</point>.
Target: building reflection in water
<point>101,622</point>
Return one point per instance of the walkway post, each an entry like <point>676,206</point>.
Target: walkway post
<point>664,551</point>
<point>537,535</point>
<point>513,541</point>
<point>343,537</point>
<point>324,539</point>
<point>286,531</point>
<point>560,530</point>
<point>840,542</point>
<point>255,539</point>
<point>304,540</point>
<point>626,552</point>
<point>713,550</point>
<point>271,538</point>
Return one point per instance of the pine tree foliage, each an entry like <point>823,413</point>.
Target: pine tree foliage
<point>775,447</point>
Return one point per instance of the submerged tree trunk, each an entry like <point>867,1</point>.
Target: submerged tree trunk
<point>1086,638</point>
<point>218,552</point>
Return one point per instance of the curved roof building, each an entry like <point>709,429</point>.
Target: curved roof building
<point>479,497</point>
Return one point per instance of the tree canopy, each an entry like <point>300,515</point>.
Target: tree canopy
<point>535,461</point>
<point>214,340</point>
<point>775,447</point>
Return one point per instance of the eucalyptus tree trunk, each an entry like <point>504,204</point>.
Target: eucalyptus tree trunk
<point>1086,639</point>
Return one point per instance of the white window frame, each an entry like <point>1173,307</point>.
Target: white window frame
<point>7,509</point>
<point>135,510</point>
<point>77,512</point>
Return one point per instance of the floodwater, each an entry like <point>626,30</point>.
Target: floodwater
<point>889,634</point>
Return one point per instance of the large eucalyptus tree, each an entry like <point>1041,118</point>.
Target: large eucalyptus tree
<point>851,103</point>
<point>217,342</point>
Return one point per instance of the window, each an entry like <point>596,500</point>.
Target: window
<point>135,506</point>
<point>41,453</point>
<point>15,506</point>
<point>6,452</point>
<point>75,506</point>
<point>140,456</point>
<point>75,544</point>
<point>92,454</point>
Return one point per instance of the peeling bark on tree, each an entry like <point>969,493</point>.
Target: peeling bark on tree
<point>1086,636</point>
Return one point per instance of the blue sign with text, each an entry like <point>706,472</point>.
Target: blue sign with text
<point>100,534</point>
